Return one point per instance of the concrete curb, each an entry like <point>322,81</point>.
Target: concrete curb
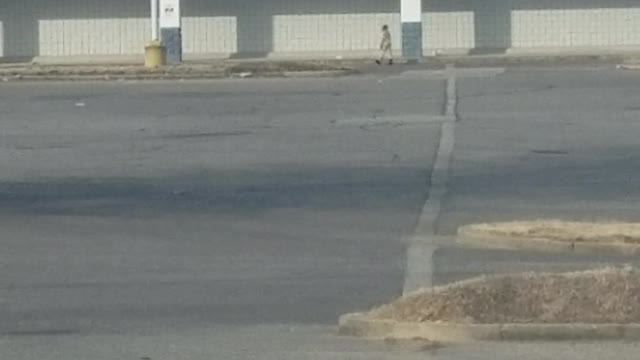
<point>324,73</point>
<point>358,324</point>
<point>628,67</point>
<point>480,239</point>
<point>536,60</point>
<point>117,77</point>
<point>171,76</point>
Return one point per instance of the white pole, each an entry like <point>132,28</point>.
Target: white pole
<point>154,19</point>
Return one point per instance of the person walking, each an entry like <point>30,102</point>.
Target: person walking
<point>385,46</point>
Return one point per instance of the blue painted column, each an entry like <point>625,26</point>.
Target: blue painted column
<point>411,18</point>
<point>172,42</point>
<point>170,30</point>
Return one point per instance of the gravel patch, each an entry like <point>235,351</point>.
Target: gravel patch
<point>610,295</point>
<point>596,232</point>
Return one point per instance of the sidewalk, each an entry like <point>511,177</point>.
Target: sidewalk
<point>128,68</point>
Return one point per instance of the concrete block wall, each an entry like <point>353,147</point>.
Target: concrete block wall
<point>209,35</point>
<point>210,26</point>
<point>74,27</point>
<point>448,25</point>
<point>339,33</point>
<point>1,39</point>
<point>576,27</point>
<point>262,26</point>
<point>121,27</point>
<point>3,15</point>
<point>530,24</point>
<point>334,25</point>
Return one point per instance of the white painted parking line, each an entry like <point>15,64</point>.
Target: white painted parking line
<point>419,269</point>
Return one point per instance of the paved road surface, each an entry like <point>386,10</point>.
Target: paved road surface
<point>236,220</point>
<point>541,144</point>
<point>179,208</point>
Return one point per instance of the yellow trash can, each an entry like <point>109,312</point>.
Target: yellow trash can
<point>154,54</point>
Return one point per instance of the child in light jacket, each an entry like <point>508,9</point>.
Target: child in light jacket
<point>385,46</point>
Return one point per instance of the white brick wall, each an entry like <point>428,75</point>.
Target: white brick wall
<point>576,27</point>
<point>92,37</point>
<point>114,27</point>
<point>1,39</point>
<point>207,35</point>
<point>341,32</point>
<point>530,24</point>
<point>74,27</point>
<point>121,27</point>
<point>448,30</point>
<point>209,26</point>
<point>219,26</point>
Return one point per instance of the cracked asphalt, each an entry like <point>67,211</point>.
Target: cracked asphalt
<point>237,219</point>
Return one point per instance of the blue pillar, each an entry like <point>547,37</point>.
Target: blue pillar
<point>172,42</point>
<point>411,17</point>
<point>170,30</point>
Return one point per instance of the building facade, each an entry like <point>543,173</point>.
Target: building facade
<point>30,28</point>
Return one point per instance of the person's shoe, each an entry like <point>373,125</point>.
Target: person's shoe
<point>378,62</point>
<point>390,62</point>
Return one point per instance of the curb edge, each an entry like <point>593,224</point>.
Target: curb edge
<point>480,239</point>
<point>171,76</point>
<point>358,324</point>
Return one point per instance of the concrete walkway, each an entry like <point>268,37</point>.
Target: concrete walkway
<point>355,59</point>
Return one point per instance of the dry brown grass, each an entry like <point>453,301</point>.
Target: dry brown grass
<point>600,232</point>
<point>610,295</point>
